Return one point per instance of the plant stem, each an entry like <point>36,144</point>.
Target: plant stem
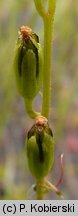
<point>39,7</point>
<point>48,18</point>
<point>51,6</point>
<point>39,193</point>
<point>48,24</point>
<point>29,109</point>
<point>48,30</point>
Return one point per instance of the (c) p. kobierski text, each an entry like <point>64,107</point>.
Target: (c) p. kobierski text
<point>52,208</point>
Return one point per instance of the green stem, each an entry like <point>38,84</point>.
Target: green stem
<point>48,18</point>
<point>48,26</point>
<point>29,109</point>
<point>48,30</point>
<point>51,6</point>
<point>39,7</point>
<point>39,193</point>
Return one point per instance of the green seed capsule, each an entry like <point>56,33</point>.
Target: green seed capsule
<point>28,63</point>
<point>40,148</point>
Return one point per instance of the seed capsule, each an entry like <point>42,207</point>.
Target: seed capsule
<point>40,148</point>
<point>28,63</point>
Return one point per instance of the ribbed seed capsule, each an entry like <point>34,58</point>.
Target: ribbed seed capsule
<point>40,148</point>
<point>28,63</point>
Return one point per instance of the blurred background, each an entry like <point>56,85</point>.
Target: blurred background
<point>15,179</point>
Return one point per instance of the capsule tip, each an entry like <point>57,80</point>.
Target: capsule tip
<point>25,31</point>
<point>41,121</point>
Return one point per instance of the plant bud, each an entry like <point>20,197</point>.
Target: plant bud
<point>28,63</point>
<point>40,148</point>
